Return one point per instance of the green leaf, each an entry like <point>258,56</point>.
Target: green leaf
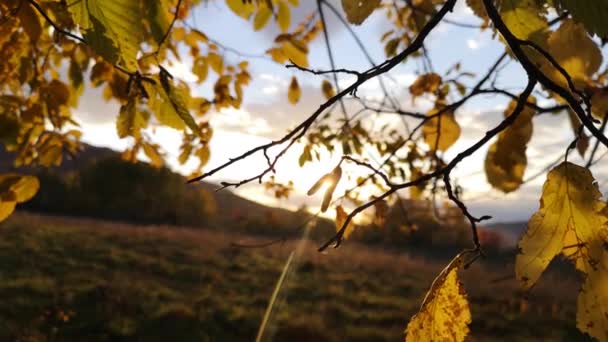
<point>591,13</point>
<point>161,106</point>
<point>178,99</point>
<point>113,28</point>
<point>157,14</point>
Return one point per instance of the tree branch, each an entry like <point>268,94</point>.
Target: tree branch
<point>371,73</point>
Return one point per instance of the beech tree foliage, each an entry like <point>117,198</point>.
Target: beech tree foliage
<point>50,50</point>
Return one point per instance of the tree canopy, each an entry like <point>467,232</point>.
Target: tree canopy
<point>50,50</point>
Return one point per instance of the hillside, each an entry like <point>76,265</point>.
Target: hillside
<point>68,279</point>
<point>229,208</point>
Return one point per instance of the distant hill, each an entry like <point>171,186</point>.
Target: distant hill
<point>231,210</point>
<point>512,231</point>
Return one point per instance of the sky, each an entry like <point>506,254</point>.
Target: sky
<point>266,114</point>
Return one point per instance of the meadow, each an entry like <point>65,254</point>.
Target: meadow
<point>67,279</point>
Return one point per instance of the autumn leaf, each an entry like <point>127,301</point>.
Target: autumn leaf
<point>30,21</point>
<point>241,8</point>
<point>331,181</point>
<point>570,213</point>
<point>592,302</point>
<point>442,131</point>
<point>524,19</point>
<point>295,51</point>
<point>572,220</point>
<point>130,120</point>
<point>445,313</point>
<point>294,92</point>
<point>15,189</point>
<point>261,18</point>
<point>506,161</point>
<point>283,16</point>
<point>357,11</point>
<point>327,89</point>
<point>159,18</point>
<point>111,27</point>
<point>427,83</point>
<point>341,216</point>
<point>573,49</point>
<point>151,151</point>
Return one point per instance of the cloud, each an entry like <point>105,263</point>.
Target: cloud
<point>93,109</point>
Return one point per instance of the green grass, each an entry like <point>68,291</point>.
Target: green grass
<point>83,280</point>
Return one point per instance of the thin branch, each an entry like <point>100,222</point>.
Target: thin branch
<point>52,23</point>
<point>371,73</point>
<point>590,161</point>
<point>508,121</point>
<point>175,15</point>
<point>330,54</point>
<point>369,166</point>
<point>323,72</point>
<point>532,70</point>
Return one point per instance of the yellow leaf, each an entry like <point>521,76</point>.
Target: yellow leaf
<point>130,120</point>
<point>524,19</point>
<point>295,51</point>
<point>277,55</point>
<point>241,8</point>
<point>505,166</point>
<point>201,69</point>
<point>22,188</point>
<point>111,27</point>
<point>283,16</point>
<point>15,189</point>
<point>574,50</point>
<point>390,49</point>
<point>427,83</point>
<point>447,127</point>
<point>599,102</point>
<point>478,8</point>
<point>216,62</point>
<point>445,313</point>
<point>341,216</point>
<point>261,18</point>
<point>160,105</point>
<point>203,155</point>
<point>294,92</point>
<point>592,303</point>
<point>6,209</point>
<point>331,181</point>
<point>570,213</point>
<point>158,17</point>
<point>506,160</point>
<point>357,11</point>
<point>327,89</point>
<point>152,153</point>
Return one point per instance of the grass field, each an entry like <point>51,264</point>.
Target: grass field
<point>67,279</point>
